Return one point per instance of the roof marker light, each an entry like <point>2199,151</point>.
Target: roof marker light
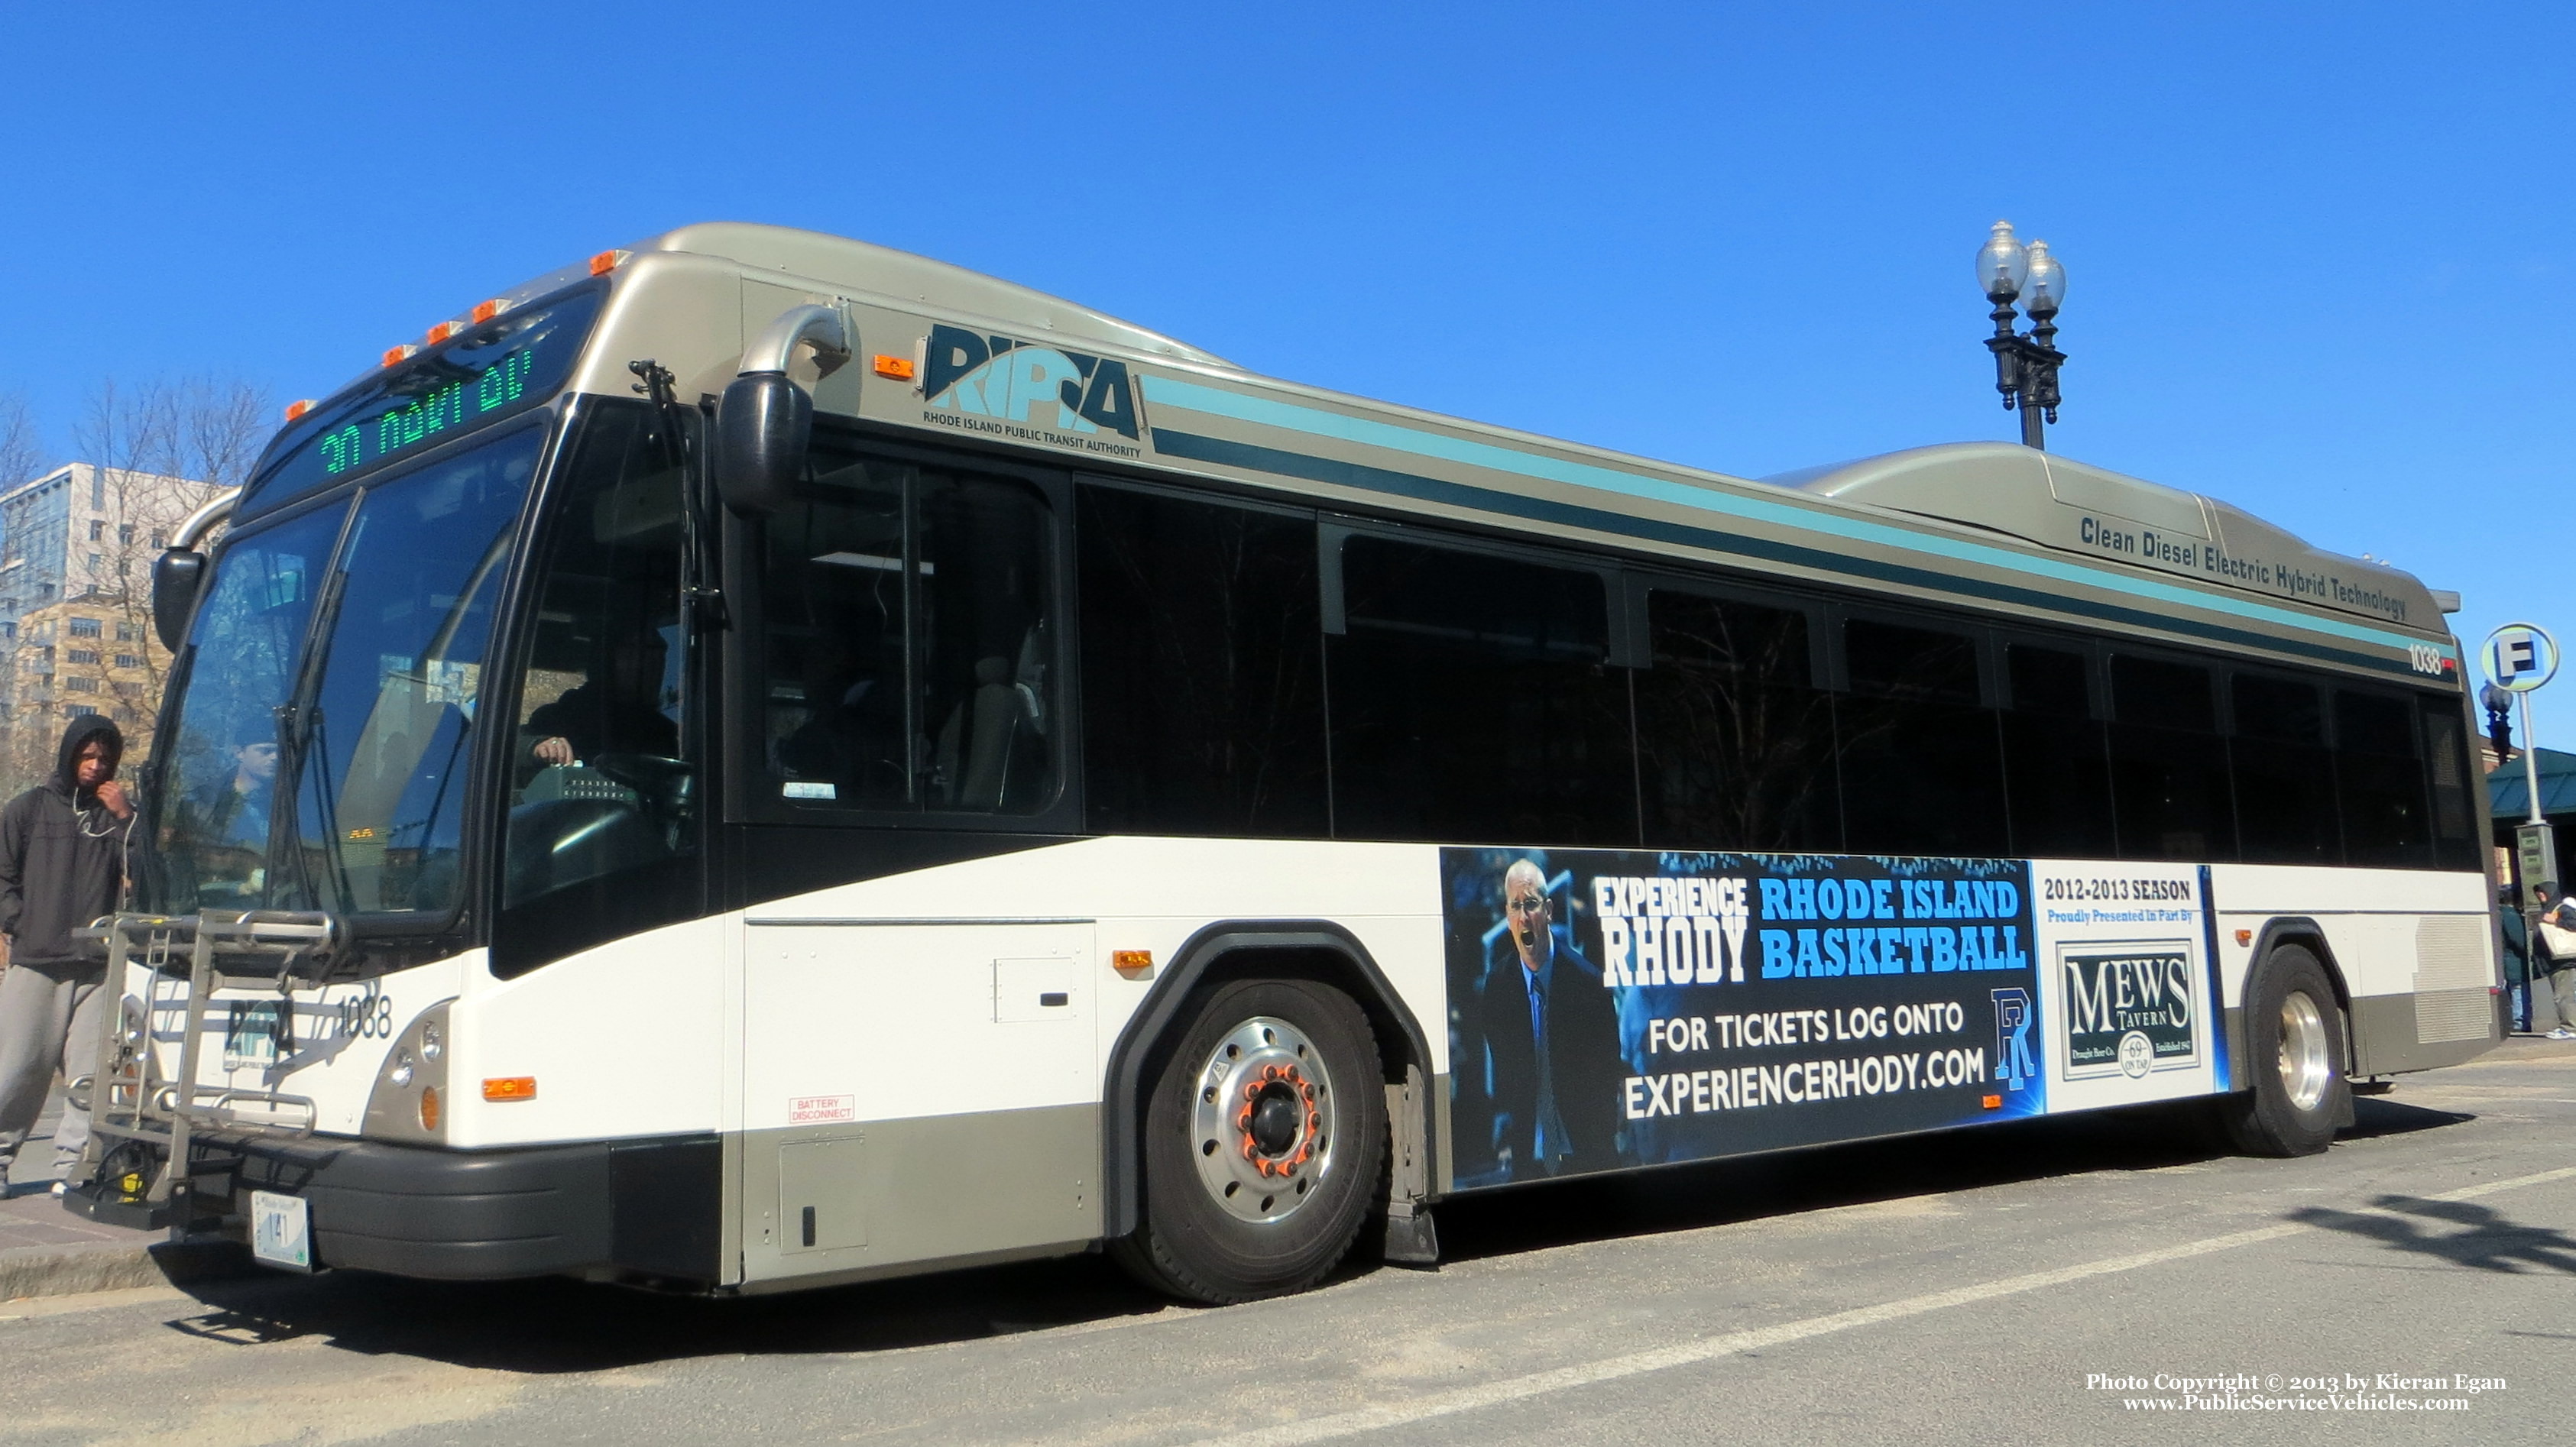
<point>608,261</point>
<point>298,408</point>
<point>400,353</point>
<point>443,331</point>
<point>484,311</point>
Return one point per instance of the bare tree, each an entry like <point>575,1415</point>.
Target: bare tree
<point>160,448</point>
<point>152,442</point>
<point>21,451</point>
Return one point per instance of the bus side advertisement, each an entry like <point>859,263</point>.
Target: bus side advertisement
<point>1622,1008</point>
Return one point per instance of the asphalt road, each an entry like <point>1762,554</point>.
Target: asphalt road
<point>1969,1288</point>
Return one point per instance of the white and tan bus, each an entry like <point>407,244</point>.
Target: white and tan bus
<point>765,761</point>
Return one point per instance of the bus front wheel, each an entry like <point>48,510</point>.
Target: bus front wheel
<point>2294,1049</point>
<point>1265,1144</point>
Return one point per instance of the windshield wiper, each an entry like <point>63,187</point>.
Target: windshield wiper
<point>299,722</point>
<point>706,604</point>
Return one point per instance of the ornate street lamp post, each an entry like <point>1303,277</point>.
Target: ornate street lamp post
<point>2025,366</point>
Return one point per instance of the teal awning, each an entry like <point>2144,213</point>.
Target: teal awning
<point>2508,800</point>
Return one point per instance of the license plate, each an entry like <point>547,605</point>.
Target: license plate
<point>281,1230</point>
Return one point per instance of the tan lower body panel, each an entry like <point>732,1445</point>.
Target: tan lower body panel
<point>847,1202</point>
<point>2421,1031</point>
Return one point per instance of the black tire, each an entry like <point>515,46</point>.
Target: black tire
<point>1204,1242</point>
<point>2294,1050</point>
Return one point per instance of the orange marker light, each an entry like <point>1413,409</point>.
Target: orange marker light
<point>442,332</point>
<point>1994,1102</point>
<point>607,261</point>
<point>484,311</point>
<point>510,1087</point>
<point>899,368</point>
<point>396,354</point>
<point>2245,937</point>
<point>429,1107</point>
<point>1135,964</point>
<point>298,408</point>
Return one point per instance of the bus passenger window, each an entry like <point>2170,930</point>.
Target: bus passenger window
<point>2454,824</point>
<point>906,653</point>
<point>1734,740</point>
<point>1202,667</point>
<point>2380,781</point>
<point>2169,781</point>
<point>833,612</point>
<point>1472,699</point>
<point>2055,756</point>
<point>2285,790</point>
<point>1922,761</point>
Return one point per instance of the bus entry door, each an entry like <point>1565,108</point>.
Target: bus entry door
<point>915,1092</point>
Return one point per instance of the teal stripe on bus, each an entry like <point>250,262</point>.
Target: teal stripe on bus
<point>1270,412</point>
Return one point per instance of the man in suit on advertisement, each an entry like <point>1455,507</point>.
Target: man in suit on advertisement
<point>1554,1036</point>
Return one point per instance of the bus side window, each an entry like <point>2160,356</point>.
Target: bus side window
<point>1922,760</point>
<point>1734,739</point>
<point>1202,667</point>
<point>2455,831</point>
<point>1472,698</point>
<point>2169,784</point>
<point>2285,789</point>
<point>906,648</point>
<point>2055,756</point>
<point>2380,777</point>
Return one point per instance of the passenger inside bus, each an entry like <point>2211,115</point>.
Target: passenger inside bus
<point>854,730</point>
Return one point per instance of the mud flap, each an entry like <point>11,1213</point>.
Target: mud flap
<point>1410,1237</point>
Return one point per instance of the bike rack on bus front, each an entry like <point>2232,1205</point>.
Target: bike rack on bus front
<point>136,1115</point>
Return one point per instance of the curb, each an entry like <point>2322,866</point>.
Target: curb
<point>71,1270</point>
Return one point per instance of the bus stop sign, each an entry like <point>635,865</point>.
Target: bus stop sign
<point>2521,657</point>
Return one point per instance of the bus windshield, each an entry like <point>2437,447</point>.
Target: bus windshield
<point>402,583</point>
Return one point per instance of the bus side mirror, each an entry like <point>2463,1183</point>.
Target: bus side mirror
<point>762,427</point>
<point>176,577</point>
<point>765,419</point>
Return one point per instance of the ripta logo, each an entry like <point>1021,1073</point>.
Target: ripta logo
<point>1002,378</point>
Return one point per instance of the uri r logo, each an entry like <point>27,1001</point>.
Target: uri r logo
<point>1006,380</point>
<point>2012,1039</point>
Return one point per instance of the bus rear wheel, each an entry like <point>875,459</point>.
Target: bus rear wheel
<point>1265,1144</point>
<point>2294,1049</point>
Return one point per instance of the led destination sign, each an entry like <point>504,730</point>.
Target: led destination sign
<point>490,372</point>
<point>445,410</point>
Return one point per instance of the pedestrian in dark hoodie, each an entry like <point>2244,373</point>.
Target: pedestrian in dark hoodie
<point>62,865</point>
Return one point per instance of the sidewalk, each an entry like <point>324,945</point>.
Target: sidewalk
<point>46,1250</point>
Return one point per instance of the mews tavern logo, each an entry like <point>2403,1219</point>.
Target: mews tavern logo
<point>2129,1009</point>
<point>1028,391</point>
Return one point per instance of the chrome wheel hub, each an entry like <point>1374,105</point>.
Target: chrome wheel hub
<point>2307,1064</point>
<point>1261,1126</point>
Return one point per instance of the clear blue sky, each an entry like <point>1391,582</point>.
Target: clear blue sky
<point>2320,258</point>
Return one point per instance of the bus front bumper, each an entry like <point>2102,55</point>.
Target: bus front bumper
<point>635,1209</point>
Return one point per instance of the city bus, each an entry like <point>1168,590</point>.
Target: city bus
<point>764,761</point>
